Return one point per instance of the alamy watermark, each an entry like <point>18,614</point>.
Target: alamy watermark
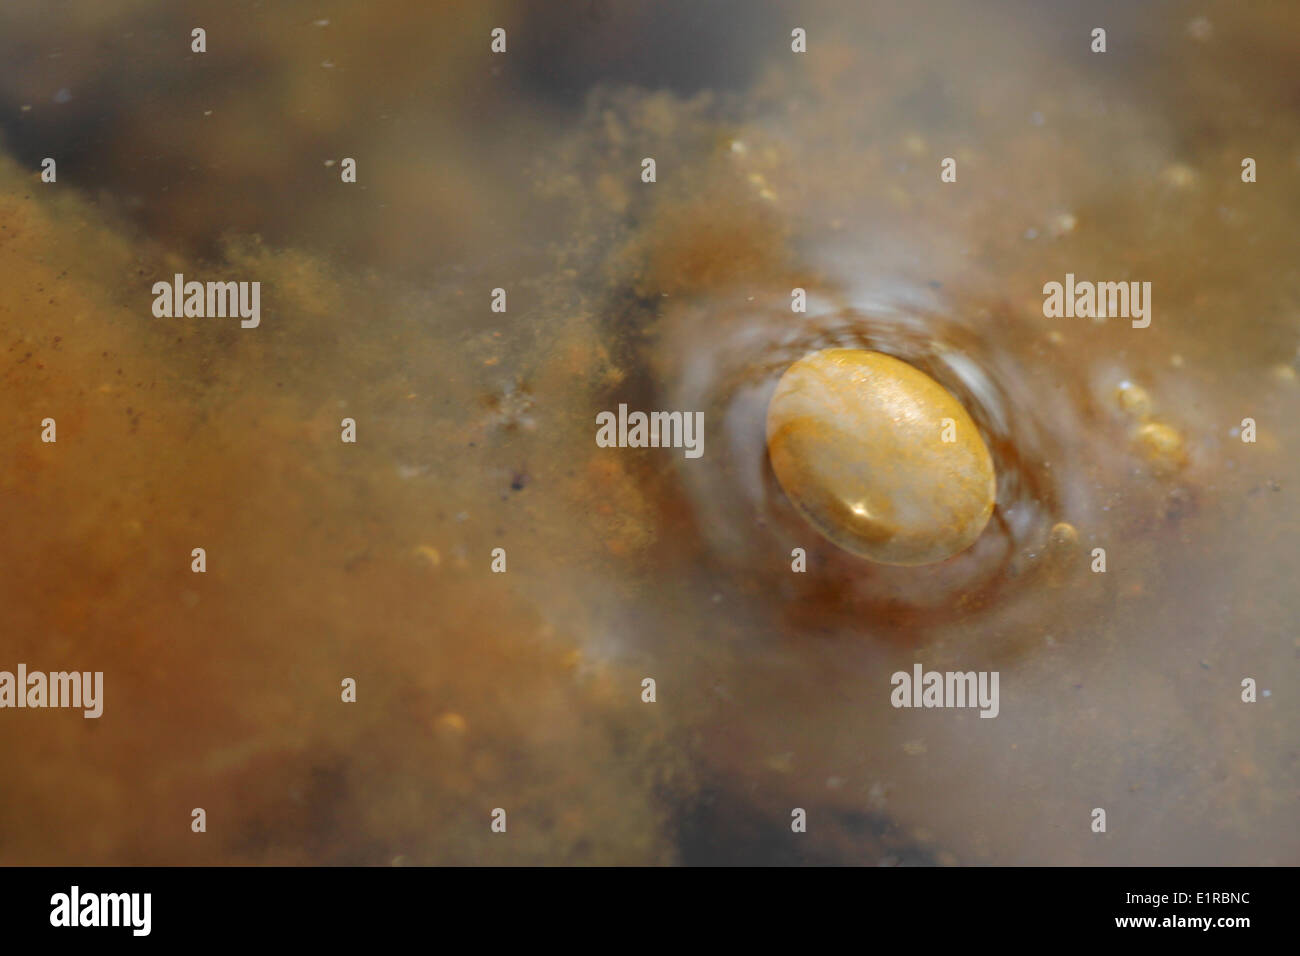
<point>946,689</point>
<point>76,689</point>
<point>1098,300</point>
<point>208,300</point>
<point>625,429</point>
<point>74,908</point>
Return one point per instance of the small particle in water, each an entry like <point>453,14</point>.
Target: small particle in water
<point>1133,399</point>
<point>780,763</point>
<point>1179,175</point>
<point>1062,552</point>
<point>1178,503</point>
<point>1037,118</point>
<point>765,191</point>
<point>1061,224</point>
<point>1266,693</point>
<point>1163,445</point>
<point>1063,536</point>
<point>429,553</point>
<point>1200,29</point>
<point>63,96</point>
<point>451,725</point>
<point>879,457</point>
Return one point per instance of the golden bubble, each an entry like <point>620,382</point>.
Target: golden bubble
<point>430,554</point>
<point>1063,536</point>
<point>879,457</point>
<point>451,724</point>
<point>1163,445</point>
<point>1062,552</point>
<point>1134,400</point>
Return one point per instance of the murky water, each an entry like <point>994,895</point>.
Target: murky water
<point>475,431</point>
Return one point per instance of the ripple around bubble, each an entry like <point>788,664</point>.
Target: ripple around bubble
<point>727,362</point>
